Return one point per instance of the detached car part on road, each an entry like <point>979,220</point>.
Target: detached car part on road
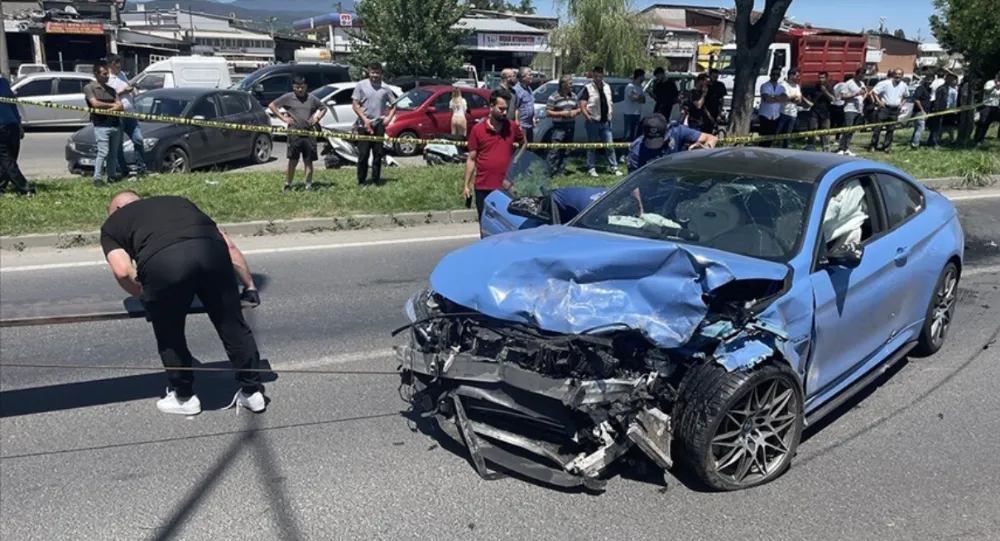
<point>703,311</point>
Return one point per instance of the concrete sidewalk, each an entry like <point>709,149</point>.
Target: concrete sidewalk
<point>365,221</point>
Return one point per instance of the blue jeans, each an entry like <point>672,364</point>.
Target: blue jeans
<point>631,127</point>
<point>600,132</point>
<point>786,124</point>
<point>109,142</point>
<point>918,131</point>
<point>130,130</point>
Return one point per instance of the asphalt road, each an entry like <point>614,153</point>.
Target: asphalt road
<point>86,455</point>
<point>39,146</point>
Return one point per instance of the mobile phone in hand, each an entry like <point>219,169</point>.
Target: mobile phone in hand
<point>468,202</point>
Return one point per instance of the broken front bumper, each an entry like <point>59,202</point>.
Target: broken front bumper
<point>562,432</point>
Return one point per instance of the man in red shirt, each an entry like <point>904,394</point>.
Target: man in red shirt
<point>491,149</point>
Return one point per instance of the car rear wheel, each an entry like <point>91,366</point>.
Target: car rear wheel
<point>261,150</point>
<point>940,312</point>
<point>739,429</point>
<point>408,146</point>
<point>175,160</point>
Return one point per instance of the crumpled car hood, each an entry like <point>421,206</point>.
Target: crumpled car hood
<point>572,280</point>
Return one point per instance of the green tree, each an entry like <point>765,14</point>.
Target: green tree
<point>411,37</point>
<point>607,33</point>
<point>526,6</point>
<point>899,33</point>
<point>752,42</point>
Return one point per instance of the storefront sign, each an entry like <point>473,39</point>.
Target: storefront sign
<point>74,28</point>
<point>512,42</point>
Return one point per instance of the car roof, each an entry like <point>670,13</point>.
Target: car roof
<point>436,88</point>
<point>44,74</point>
<point>188,92</point>
<point>801,165</point>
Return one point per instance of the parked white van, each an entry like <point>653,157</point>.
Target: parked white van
<point>185,72</point>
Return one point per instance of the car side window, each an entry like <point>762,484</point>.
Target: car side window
<point>618,91</point>
<point>343,97</point>
<point>902,200</point>
<point>851,214</point>
<point>38,87</point>
<point>313,79</point>
<point>475,101</point>
<point>70,86</point>
<point>278,83</point>
<point>206,107</point>
<point>442,102</point>
<point>234,104</point>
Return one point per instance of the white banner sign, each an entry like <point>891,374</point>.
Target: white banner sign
<point>512,42</point>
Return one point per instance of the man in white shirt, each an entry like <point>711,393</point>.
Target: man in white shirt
<point>889,96</point>
<point>635,98</point>
<point>853,93</point>
<point>991,110</point>
<point>790,109</point>
<point>130,126</point>
<point>837,107</point>
<point>772,96</point>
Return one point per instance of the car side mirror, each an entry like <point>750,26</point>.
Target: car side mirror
<point>847,256</point>
<point>533,208</point>
<point>258,89</point>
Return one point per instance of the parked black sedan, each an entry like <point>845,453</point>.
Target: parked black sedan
<point>178,148</point>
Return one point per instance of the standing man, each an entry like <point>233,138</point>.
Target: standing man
<point>180,252</point>
<point>945,98</point>
<point>790,109</point>
<point>921,106</point>
<point>11,133</point>
<point>129,126</point>
<point>491,149</point>
<point>661,138</point>
<point>597,106</point>
<point>664,92</point>
<point>302,111</point>
<point>107,128</point>
<point>508,78</point>
<point>373,103</point>
<point>837,110</point>
<point>889,96</point>
<point>772,96</point>
<point>635,98</point>
<point>525,101</point>
<point>562,107</point>
<point>853,94</point>
<point>696,106</point>
<point>715,98</point>
<point>991,110</point>
<point>821,96</point>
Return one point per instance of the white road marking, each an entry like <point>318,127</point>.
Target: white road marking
<point>343,358</point>
<point>976,271</point>
<point>263,251</point>
<point>976,196</point>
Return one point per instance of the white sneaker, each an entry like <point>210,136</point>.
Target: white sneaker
<point>177,406</point>
<point>618,172</point>
<point>840,152</point>
<point>593,173</point>
<point>254,402</point>
<point>849,153</point>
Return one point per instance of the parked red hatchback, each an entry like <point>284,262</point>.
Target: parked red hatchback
<point>425,113</point>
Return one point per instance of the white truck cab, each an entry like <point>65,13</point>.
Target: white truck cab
<point>778,55</point>
<point>185,72</point>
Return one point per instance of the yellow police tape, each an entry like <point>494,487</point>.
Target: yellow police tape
<point>735,140</point>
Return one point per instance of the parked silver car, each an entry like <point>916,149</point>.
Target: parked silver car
<point>61,87</point>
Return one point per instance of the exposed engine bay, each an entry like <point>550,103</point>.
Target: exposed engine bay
<point>561,408</point>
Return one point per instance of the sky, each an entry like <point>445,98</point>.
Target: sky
<point>854,15</point>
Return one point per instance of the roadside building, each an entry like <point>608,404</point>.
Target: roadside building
<point>63,35</point>
<point>887,53</point>
<point>677,46</point>
<point>931,57</point>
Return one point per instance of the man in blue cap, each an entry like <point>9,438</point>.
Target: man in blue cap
<point>660,138</point>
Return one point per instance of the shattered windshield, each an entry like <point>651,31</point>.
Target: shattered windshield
<point>747,215</point>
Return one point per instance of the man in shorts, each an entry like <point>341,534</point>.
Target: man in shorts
<point>301,111</point>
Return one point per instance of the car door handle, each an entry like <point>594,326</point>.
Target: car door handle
<point>902,254</point>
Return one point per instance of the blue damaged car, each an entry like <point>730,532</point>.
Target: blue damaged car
<point>700,313</point>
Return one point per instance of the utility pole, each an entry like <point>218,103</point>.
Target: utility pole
<point>4,61</point>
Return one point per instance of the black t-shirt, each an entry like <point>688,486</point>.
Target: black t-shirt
<point>665,93</point>
<point>821,102</point>
<point>144,227</point>
<point>697,118</point>
<point>716,94</point>
<point>922,95</point>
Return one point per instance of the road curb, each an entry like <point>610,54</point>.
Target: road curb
<point>76,239</point>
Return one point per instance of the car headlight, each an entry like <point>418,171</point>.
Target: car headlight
<point>149,143</point>
<point>71,144</point>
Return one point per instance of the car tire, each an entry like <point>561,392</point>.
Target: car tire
<point>711,400</point>
<point>407,149</point>
<point>261,150</point>
<point>940,312</point>
<point>175,160</point>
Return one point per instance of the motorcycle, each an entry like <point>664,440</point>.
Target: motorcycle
<point>442,153</point>
<point>339,152</point>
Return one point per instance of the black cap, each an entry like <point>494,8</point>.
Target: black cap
<point>654,130</point>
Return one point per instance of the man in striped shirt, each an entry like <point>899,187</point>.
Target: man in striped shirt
<point>562,107</point>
